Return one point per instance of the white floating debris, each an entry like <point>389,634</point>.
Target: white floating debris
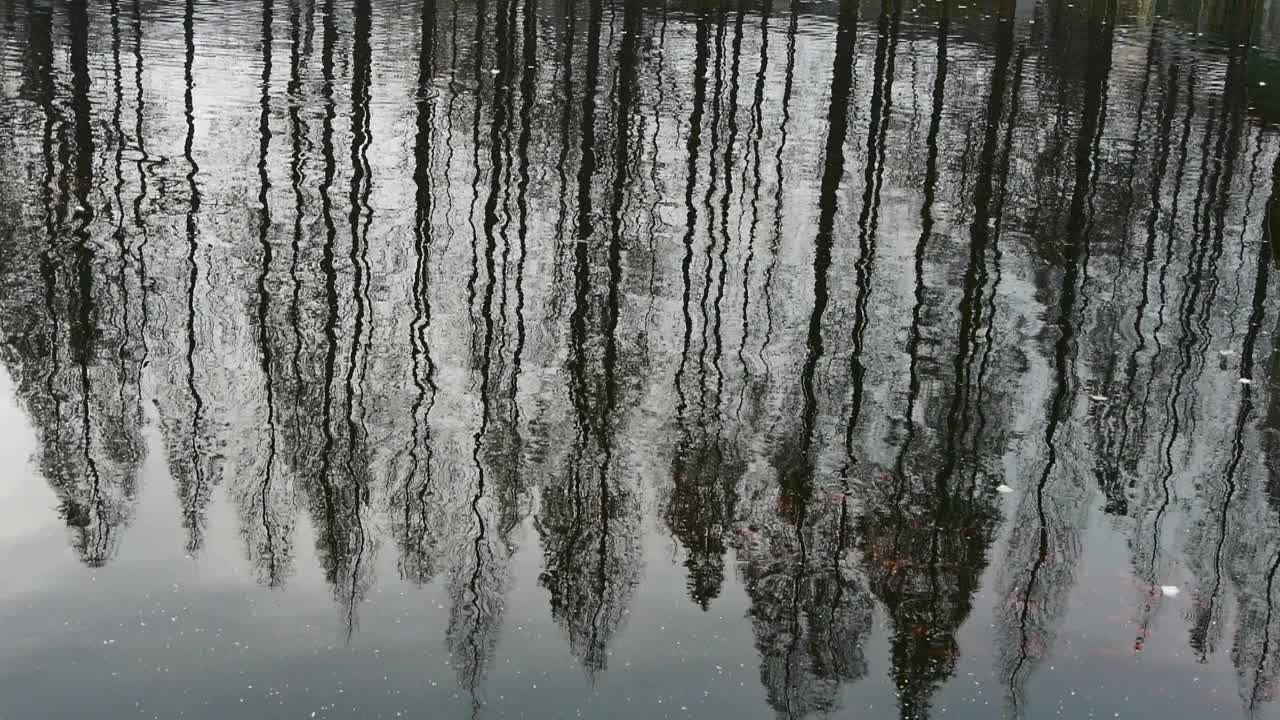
<point>1002,488</point>
<point>1226,353</point>
<point>1246,381</point>
<point>1098,398</point>
<point>1169,590</point>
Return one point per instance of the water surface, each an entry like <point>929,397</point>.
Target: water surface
<point>563,358</point>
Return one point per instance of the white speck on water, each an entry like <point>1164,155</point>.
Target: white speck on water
<point>1098,398</point>
<point>1169,590</point>
<point>1002,488</point>
<point>1246,381</point>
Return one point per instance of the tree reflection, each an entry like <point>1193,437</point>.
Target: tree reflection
<point>77,367</point>
<point>589,514</point>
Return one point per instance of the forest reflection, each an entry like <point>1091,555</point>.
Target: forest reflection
<point>805,286</point>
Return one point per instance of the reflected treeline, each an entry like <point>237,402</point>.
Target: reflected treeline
<point>822,281</point>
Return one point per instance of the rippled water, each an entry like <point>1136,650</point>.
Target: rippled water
<point>560,358</point>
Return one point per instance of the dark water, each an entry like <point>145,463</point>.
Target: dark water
<point>569,359</point>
